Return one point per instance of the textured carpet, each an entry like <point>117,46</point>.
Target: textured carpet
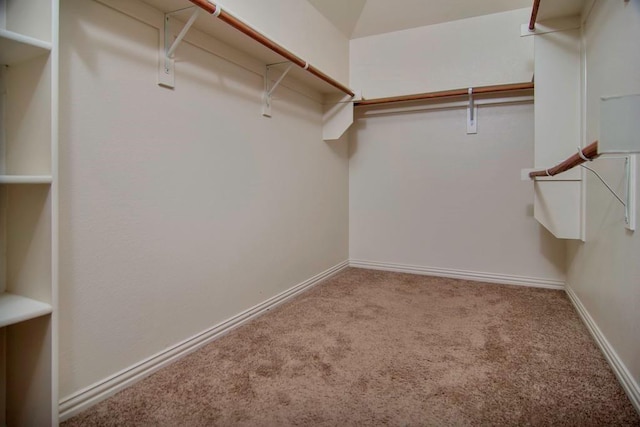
<point>378,348</point>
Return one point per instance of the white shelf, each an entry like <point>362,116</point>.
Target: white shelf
<point>238,40</point>
<point>15,48</point>
<point>559,9</point>
<point>26,179</point>
<point>14,309</point>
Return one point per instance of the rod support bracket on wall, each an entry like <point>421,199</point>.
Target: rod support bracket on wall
<point>269,89</point>
<point>168,46</point>
<point>472,115</point>
<point>631,170</point>
<point>628,201</point>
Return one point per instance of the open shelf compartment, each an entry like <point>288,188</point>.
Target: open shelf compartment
<point>15,47</point>
<point>14,309</point>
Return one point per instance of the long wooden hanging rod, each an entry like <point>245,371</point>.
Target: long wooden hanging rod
<point>265,41</point>
<point>446,94</point>
<point>589,152</point>
<point>534,15</point>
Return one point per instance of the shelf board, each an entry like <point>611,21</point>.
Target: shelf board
<point>26,179</point>
<point>15,309</point>
<point>239,41</point>
<point>559,9</point>
<point>15,48</point>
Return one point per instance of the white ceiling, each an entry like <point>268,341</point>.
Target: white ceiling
<point>361,18</point>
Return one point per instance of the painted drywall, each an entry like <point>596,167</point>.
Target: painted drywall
<point>179,208</point>
<point>423,193</point>
<point>299,27</point>
<point>379,16</point>
<point>478,51</point>
<point>604,271</point>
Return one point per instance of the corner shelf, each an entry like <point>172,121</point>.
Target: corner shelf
<point>14,309</point>
<point>26,179</point>
<point>15,47</point>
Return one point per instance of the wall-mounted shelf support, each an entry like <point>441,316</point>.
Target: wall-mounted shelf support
<point>588,154</point>
<point>166,76</point>
<point>270,89</point>
<point>631,166</point>
<point>472,115</point>
<point>629,200</point>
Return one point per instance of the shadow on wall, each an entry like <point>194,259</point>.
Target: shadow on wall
<point>549,249</point>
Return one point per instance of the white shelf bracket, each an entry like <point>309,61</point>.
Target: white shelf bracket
<point>269,89</point>
<point>472,115</point>
<point>166,72</point>
<point>629,200</point>
<point>630,215</point>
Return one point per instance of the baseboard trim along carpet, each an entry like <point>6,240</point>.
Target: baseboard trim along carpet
<point>504,279</point>
<point>629,385</point>
<point>77,402</point>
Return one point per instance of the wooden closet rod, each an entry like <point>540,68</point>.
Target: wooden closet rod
<point>262,39</point>
<point>446,94</point>
<point>589,152</point>
<point>534,15</point>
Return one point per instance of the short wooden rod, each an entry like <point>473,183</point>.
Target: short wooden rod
<point>270,44</point>
<point>589,152</point>
<point>534,15</point>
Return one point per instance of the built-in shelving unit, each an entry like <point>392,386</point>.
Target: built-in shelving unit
<point>558,203</point>
<point>28,212</point>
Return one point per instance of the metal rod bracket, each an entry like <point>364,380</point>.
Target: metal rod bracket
<point>472,115</point>
<point>269,89</point>
<point>631,171</point>
<point>629,200</point>
<point>166,72</point>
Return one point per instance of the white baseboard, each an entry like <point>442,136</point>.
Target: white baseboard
<point>83,399</point>
<point>504,279</point>
<point>629,385</point>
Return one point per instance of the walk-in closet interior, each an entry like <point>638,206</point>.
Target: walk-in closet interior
<point>174,171</point>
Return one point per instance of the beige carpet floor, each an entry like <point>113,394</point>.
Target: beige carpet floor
<point>379,348</point>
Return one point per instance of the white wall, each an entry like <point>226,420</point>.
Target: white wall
<point>604,271</point>
<point>424,193</point>
<point>478,51</point>
<point>179,208</point>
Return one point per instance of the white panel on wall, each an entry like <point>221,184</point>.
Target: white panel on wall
<point>557,92</point>
<point>620,124</point>
<point>557,130</point>
<point>424,193</point>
